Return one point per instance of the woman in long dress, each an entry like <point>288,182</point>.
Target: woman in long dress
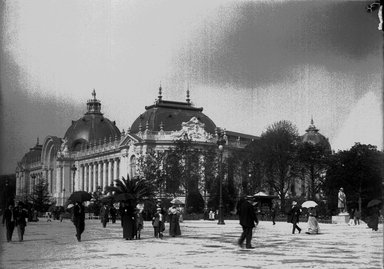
<point>127,213</point>
<point>313,225</point>
<point>174,226</point>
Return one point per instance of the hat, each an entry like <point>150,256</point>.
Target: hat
<point>158,209</point>
<point>249,197</point>
<point>341,189</point>
<point>294,203</point>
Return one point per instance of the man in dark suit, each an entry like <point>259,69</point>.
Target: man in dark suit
<point>9,219</point>
<point>21,214</point>
<point>79,219</point>
<point>247,217</point>
<point>295,216</point>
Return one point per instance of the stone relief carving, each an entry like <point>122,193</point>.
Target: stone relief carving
<point>194,129</point>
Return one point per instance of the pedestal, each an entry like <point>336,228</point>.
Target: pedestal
<point>341,218</point>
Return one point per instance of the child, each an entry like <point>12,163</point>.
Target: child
<point>49,217</point>
<point>139,223</point>
<point>157,223</point>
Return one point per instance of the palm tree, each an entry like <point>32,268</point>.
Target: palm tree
<point>133,190</point>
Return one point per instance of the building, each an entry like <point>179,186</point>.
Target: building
<point>308,183</point>
<point>94,152</point>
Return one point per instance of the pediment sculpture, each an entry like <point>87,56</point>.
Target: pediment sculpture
<point>194,129</point>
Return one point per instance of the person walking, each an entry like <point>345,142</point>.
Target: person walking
<point>20,222</point>
<point>139,223</point>
<point>352,213</point>
<point>373,220</point>
<point>104,215</point>
<point>357,217</point>
<point>313,225</point>
<point>79,219</point>
<point>273,212</point>
<point>127,213</point>
<point>248,218</point>
<point>174,225</point>
<point>9,219</point>
<point>112,212</point>
<point>158,224</point>
<point>295,213</point>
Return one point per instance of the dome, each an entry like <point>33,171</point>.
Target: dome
<point>93,127</point>
<point>313,136</point>
<point>34,154</point>
<point>169,116</point>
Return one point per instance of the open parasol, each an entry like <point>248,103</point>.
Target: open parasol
<point>309,204</point>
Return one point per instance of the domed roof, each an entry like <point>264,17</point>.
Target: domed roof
<point>169,116</point>
<point>34,154</point>
<point>313,136</point>
<point>93,127</point>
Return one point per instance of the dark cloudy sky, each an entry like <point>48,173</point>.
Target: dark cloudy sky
<point>248,63</point>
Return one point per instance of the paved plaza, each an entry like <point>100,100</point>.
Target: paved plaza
<point>203,244</point>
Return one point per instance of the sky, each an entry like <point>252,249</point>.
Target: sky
<point>247,63</point>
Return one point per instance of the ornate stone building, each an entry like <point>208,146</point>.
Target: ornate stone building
<point>94,152</point>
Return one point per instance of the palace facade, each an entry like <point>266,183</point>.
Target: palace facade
<point>94,152</point>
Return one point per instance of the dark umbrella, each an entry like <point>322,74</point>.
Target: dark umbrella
<point>124,197</point>
<point>373,203</point>
<point>80,196</point>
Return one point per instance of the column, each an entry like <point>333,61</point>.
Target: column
<point>100,174</point>
<point>109,175</point>
<point>86,177</point>
<point>115,165</point>
<point>82,177</point>
<point>48,178</point>
<point>105,173</point>
<point>94,165</point>
<point>90,177</point>
<point>53,184</point>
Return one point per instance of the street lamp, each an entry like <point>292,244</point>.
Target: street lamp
<point>73,168</point>
<point>221,142</point>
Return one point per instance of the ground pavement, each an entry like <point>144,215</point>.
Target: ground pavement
<point>203,244</point>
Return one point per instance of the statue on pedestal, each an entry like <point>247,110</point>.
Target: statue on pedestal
<point>342,201</point>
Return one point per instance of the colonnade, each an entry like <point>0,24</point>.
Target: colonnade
<point>97,173</point>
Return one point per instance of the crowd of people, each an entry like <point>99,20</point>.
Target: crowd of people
<point>132,219</point>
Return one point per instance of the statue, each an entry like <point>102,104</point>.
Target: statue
<point>342,201</point>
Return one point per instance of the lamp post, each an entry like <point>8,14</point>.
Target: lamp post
<point>221,142</point>
<point>73,168</point>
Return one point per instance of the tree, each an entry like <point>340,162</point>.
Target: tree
<point>278,156</point>
<point>7,190</point>
<point>313,159</point>
<point>253,171</point>
<point>40,197</point>
<point>182,168</point>
<point>359,171</point>
<point>151,168</point>
<point>138,188</point>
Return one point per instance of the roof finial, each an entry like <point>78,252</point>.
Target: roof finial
<point>94,94</point>
<point>188,100</point>
<point>37,143</point>
<point>160,96</point>
<point>312,119</point>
